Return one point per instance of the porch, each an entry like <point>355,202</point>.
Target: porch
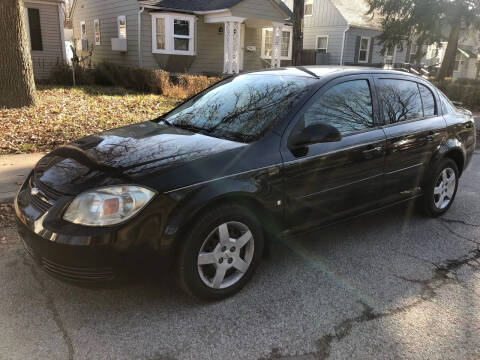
<point>242,38</point>
<point>251,43</point>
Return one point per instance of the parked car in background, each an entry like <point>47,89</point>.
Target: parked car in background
<point>256,155</point>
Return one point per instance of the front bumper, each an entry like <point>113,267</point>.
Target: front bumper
<point>85,255</point>
<point>69,262</point>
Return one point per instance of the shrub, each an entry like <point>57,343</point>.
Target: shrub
<point>62,74</point>
<point>155,81</point>
<point>466,91</point>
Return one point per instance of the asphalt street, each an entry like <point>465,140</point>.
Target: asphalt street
<point>389,285</point>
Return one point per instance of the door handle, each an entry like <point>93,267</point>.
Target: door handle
<point>370,153</point>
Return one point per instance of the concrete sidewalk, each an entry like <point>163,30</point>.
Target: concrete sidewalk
<point>13,171</point>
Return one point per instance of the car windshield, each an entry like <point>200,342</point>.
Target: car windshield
<point>241,108</point>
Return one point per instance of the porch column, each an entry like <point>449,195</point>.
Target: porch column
<point>277,44</point>
<point>231,58</point>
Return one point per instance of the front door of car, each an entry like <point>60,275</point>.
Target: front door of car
<point>414,131</point>
<point>329,180</point>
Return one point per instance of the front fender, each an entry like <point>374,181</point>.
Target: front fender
<point>262,187</point>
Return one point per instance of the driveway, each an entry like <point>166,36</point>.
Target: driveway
<point>389,285</point>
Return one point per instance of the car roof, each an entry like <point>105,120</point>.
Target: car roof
<point>320,71</point>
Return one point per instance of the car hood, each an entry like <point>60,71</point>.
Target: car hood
<point>131,154</point>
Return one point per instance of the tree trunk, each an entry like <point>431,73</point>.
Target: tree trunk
<point>448,63</point>
<point>297,48</point>
<point>17,86</point>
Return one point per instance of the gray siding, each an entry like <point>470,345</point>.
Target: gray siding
<point>251,9</point>
<point>351,43</point>
<point>44,61</point>
<point>324,14</point>
<point>107,11</point>
<point>209,50</point>
<point>209,42</point>
<point>335,40</point>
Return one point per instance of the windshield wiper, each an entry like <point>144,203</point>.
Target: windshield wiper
<point>165,121</point>
<point>191,127</point>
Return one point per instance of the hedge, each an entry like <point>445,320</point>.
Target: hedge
<point>160,82</point>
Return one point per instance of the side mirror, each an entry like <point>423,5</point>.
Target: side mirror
<point>315,134</point>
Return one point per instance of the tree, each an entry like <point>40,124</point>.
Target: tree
<point>430,21</point>
<point>297,46</point>
<point>17,86</point>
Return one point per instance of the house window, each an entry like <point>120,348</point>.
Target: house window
<point>364,50</point>
<point>390,56</point>
<point>322,44</point>
<point>122,26</point>
<point>173,34</point>
<point>96,28</point>
<point>458,62</point>
<point>83,30</point>
<point>267,44</point>
<point>181,34</point>
<point>34,29</point>
<point>413,54</point>
<point>308,8</point>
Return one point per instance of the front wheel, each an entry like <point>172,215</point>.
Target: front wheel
<point>221,252</point>
<point>441,188</point>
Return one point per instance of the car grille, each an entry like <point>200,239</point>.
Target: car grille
<point>78,274</point>
<point>43,200</point>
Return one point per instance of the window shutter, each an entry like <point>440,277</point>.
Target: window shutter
<point>35,29</point>
<point>407,57</point>
<point>370,51</point>
<point>357,49</point>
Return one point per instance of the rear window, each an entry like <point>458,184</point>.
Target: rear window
<point>400,100</point>
<point>241,108</point>
<point>447,105</point>
<point>428,99</point>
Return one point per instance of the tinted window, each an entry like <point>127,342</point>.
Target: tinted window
<point>241,108</point>
<point>347,106</point>
<point>447,106</point>
<point>428,101</point>
<point>400,100</point>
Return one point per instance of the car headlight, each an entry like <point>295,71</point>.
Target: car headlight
<point>107,206</point>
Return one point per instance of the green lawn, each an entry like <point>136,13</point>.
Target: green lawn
<point>66,114</point>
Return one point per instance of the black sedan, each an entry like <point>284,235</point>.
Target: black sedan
<point>257,155</point>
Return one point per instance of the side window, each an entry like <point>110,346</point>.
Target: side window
<point>346,106</point>
<point>400,100</point>
<point>428,101</point>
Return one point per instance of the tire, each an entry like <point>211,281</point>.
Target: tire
<point>432,202</point>
<point>227,240</point>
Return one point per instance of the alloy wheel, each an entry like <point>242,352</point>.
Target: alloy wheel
<point>226,255</point>
<point>444,189</point>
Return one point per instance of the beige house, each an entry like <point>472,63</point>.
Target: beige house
<point>44,19</point>
<point>195,36</point>
<point>467,61</point>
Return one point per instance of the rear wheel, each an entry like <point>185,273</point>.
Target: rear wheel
<point>221,252</point>
<point>441,188</point>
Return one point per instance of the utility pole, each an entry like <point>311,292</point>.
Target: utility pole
<point>297,48</point>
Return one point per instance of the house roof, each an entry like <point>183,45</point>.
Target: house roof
<point>206,5</point>
<point>355,13</point>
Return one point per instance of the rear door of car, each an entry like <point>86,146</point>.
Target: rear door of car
<point>331,180</point>
<point>414,128</point>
